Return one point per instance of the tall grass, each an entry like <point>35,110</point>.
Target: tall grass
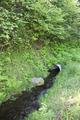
<point>62,101</point>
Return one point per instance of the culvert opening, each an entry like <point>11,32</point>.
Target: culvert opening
<point>27,102</point>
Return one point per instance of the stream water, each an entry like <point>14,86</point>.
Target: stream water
<point>27,102</point>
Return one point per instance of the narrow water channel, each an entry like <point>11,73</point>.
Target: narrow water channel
<point>27,102</point>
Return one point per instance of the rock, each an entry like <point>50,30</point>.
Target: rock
<point>38,81</point>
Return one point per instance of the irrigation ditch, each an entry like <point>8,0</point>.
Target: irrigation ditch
<point>27,101</point>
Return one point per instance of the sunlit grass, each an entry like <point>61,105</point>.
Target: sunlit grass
<point>62,101</point>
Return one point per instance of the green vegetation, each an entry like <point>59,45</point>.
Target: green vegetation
<point>25,21</point>
<point>34,35</point>
<point>63,100</point>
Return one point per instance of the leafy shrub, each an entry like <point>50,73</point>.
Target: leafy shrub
<point>23,22</point>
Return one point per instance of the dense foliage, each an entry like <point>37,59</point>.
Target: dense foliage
<point>31,23</point>
<point>25,21</point>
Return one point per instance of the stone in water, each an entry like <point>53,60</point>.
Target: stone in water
<point>38,81</point>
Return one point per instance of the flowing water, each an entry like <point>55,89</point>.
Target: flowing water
<point>27,102</point>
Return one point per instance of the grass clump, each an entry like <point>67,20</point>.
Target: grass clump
<point>62,101</point>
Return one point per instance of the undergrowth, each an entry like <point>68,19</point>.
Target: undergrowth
<point>63,100</point>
